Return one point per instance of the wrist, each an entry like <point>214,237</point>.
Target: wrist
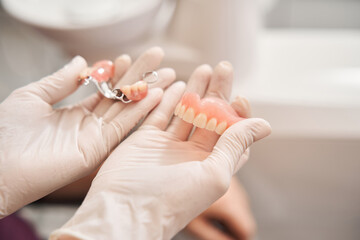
<point>107,215</point>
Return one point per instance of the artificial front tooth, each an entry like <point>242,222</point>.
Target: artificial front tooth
<point>221,128</point>
<point>200,120</point>
<point>177,109</point>
<point>182,111</point>
<point>189,115</point>
<point>126,90</point>
<point>211,125</point>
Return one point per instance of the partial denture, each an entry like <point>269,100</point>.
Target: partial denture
<point>136,91</point>
<point>101,71</point>
<point>213,114</point>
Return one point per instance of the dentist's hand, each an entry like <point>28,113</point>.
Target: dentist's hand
<point>232,210</point>
<point>159,179</point>
<point>43,149</point>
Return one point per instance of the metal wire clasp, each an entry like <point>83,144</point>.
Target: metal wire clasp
<point>107,91</point>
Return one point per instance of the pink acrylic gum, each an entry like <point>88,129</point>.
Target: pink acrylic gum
<point>210,113</point>
<point>101,71</point>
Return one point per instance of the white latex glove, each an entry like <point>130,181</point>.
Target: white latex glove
<point>43,149</point>
<point>157,181</point>
<point>232,211</point>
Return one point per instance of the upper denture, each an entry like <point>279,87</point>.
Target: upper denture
<point>211,113</point>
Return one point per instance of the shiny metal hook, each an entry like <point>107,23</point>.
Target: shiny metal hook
<point>119,95</point>
<point>154,75</point>
<point>116,94</point>
<point>103,87</point>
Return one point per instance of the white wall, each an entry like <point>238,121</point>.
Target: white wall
<point>315,14</point>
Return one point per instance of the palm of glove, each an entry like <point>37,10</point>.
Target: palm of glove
<point>42,146</point>
<point>157,147</point>
<point>43,149</point>
<point>159,177</point>
<point>162,176</point>
<point>36,135</point>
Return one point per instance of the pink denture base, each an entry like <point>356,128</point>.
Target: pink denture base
<point>103,70</point>
<point>211,107</point>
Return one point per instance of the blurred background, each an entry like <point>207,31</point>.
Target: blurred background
<point>298,61</point>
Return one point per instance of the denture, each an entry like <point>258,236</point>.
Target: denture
<point>101,71</point>
<point>136,91</point>
<point>213,114</point>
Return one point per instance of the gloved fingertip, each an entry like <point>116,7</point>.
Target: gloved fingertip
<point>226,65</point>
<point>240,101</point>
<point>180,86</point>
<point>157,90</point>
<point>124,58</point>
<point>257,127</point>
<point>170,72</point>
<point>224,70</point>
<point>230,150</point>
<point>241,106</point>
<point>156,50</point>
<point>261,128</point>
<point>76,62</point>
<point>156,93</point>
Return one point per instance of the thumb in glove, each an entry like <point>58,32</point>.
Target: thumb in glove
<point>60,84</point>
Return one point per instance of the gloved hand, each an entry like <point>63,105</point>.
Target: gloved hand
<point>158,180</point>
<point>232,210</point>
<point>43,149</point>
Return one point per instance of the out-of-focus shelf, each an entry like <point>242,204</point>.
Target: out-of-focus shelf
<point>307,83</point>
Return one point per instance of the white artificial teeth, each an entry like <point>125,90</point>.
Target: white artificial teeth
<point>177,109</point>
<point>211,125</point>
<point>182,111</point>
<point>200,120</point>
<point>189,115</point>
<point>126,90</point>
<point>220,129</point>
